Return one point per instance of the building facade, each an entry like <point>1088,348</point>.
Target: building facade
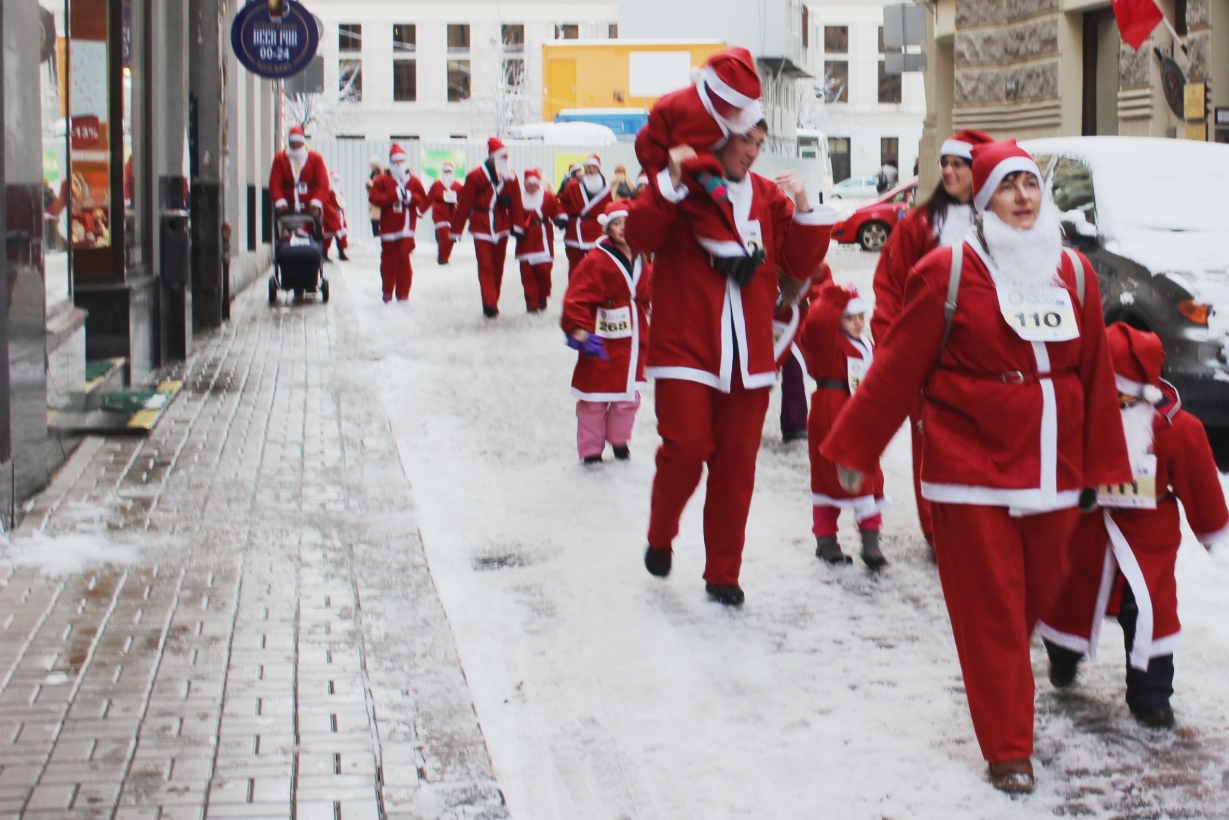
<point>1036,68</point>
<point>868,116</point>
<point>438,70</point>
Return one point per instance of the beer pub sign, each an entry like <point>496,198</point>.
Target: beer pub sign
<point>274,38</point>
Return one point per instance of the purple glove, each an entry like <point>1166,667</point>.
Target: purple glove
<point>593,347</point>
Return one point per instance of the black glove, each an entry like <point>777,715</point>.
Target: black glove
<point>1088,500</point>
<point>561,222</point>
<point>740,268</point>
<point>504,201</point>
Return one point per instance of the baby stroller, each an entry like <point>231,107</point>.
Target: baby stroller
<point>298,261</point>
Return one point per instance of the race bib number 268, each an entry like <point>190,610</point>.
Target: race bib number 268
<point>1039,314</point>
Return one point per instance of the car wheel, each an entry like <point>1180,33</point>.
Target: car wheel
<point>872,235</point>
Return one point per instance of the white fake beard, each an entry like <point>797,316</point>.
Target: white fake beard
<point>502,168</point>
<point>299,154</point>
<point>400,171</point>
<point>593,183</point>
<point>1137,427</point>
<point>1026,258</point>
<point>955,225</point>
<point>532,202</point>
<point>446,178</point>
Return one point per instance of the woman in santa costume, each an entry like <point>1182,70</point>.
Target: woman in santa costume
<point>942,221</point>
<point>443,197</point>
<point>606,319</point>
<point>491,201</point>
<point>1003,335</point>
<point>399,196</point>
<point>838,356</point>
<point>1123,559</point>
<point>723,101</point>
<point>335,218</point>
<point>298,180</point>
<point>584,199</point>
<point>712,349</point>
<point>535,246</point>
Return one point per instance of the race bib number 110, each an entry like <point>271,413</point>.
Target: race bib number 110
<point>1039,314</point>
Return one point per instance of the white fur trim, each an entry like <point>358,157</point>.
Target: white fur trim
<point>724,91</point>
<point>1064,639</point>
<point>855,306</point>
<point>1008,166</point>
<point>818,215</point>
<point>594,161</point>
<point>864,506</point>
<point>1210,538</point>
<point>956,148</point>
<point>1019,500</point>
<point>605,219</point>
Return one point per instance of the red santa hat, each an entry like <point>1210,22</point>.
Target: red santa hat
<point>447,166</point>
<point>296,134</point>
<point>992,163</point>
<point>961,143</point>
<point>594,160</point>
<point>643,179</point>
<point>1137,356</point>
<point>615,210</point>
<point>533,173</point>
<point>395,152</point>
<point>844,297</point>
<point>731,78</point>
<point>495,146</point>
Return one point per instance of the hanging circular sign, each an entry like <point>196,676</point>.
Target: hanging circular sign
<point>274,38</point>
<point>1174,86</point>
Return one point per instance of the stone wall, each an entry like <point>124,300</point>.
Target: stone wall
<point>1005,51</point>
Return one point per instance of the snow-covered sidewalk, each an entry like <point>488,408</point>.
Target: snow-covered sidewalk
<point>604,692</point>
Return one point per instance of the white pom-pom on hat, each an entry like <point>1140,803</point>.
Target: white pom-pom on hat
<point>1152,394</point>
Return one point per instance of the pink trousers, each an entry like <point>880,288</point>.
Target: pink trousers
<point>598,422</point>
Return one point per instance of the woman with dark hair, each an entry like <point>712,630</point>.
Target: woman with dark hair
<point>941,221</point>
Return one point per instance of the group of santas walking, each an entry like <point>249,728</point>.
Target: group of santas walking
<point>299,182</point>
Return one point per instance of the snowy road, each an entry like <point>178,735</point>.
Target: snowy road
<point>606,693</point>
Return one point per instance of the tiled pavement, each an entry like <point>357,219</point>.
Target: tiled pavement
<point>277,647</point>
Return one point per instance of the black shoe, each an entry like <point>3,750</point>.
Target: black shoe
<point>871,555</point>
<point>489,312</point>
<point>658,562</point>
<point>593,459</point>
<point>439,261</point>
<point>828,549</point>
<point>793,435</point>
<point>1013,776</point>
<point>542,305</point>
<point>533,310</point>
<point>622,453</point>
<point>327,258</point>
<point>342,257</point>
<point>1155,717</point>
<point>1064,663</point>
<point>730,596</point>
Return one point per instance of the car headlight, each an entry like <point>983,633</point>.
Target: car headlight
<point>1194,312</point>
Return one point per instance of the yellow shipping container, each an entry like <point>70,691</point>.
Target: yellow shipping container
<point>617,73</point>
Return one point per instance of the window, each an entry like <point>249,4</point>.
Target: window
<point>836,39</point>
<point>1072,189</point>
<point>458,80</point>
<point>567,31</point>
<point>405,38</point>
<point>403,137</point>
<point>613,31</point>
<point>514,72</point>
<point>350,37</point>
<point>889,85</point>
<point>889,151</point>
<point>806,26</point>
<point>458,38</point>
<point>836,81</point>
<point>350,80</point>
<point>838,152</point>
<point>513,37</point>
<point>881,48</point>
<point>405,80</point>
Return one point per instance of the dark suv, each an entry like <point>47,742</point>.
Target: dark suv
<point>1151,216</point>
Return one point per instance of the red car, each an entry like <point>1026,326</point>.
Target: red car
<point>870,225</point>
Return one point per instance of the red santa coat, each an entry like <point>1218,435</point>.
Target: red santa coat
<point>441,208</point>
<point>334,216</point>
<point>603,291</point>
<point>701,317</point>
<point>479,203</point>
<point>399,205</point>
<point>298,188</point>
<point>583,230</point>
<point>536,242</point>
<point>837,362</point>
<point>1008,422</point>
<point>1139,546</point>
<point>679,118</point>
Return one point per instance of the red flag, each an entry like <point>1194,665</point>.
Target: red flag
<point>1136,20</point>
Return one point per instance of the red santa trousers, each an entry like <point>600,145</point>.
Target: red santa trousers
<point>491,257</point>
<point>825,518</point>
<point>536,281</point>
<point>701,425</point>
<point>598,422</point>
<point>443,239</point>
<point>923,506</point>
<point>395,271</point>
<point>342,244</point>
<point>1000,574</point>
<point>575,256</point>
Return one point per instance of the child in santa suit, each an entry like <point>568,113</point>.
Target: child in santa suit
<point>535,244</point>
<point>399,195</point>
<point>584,199</point>
<point>838,355</point>
<point>606,319</point>
<point>443,200</point>
<point>1124,555</point>
<point>335,218</point>
<point>724,101</point>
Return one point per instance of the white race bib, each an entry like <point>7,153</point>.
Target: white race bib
<point>302,186</point>
<point>1039,314</point>
<point>778,330</point>
<point>614,323</point>
<point>751,235</point>
<point>855,371</point>
<point>450,197</point>
<point>1140,494</point>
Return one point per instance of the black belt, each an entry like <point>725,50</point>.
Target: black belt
<point>832,384</point>
<point>1010,376</point>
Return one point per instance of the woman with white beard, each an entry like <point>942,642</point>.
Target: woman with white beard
<point>1003,336</point>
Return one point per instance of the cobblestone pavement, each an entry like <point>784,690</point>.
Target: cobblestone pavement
<point>276,648</point>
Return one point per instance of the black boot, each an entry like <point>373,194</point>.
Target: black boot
<point>871,555</point>
<point>542,305</point>
<point>793,435</point>
<point>1148,690</point>
<point>728,595</point>
<point>489,312</point>
<point>593,459</point>
<point>342,255</point>
<point>828,549</point>
<point>1063,664</point>
<point>1154,717</point>
<point>622,453</point>
<point>658,562</point>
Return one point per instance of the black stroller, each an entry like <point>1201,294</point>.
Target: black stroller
<point>298,260</point>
